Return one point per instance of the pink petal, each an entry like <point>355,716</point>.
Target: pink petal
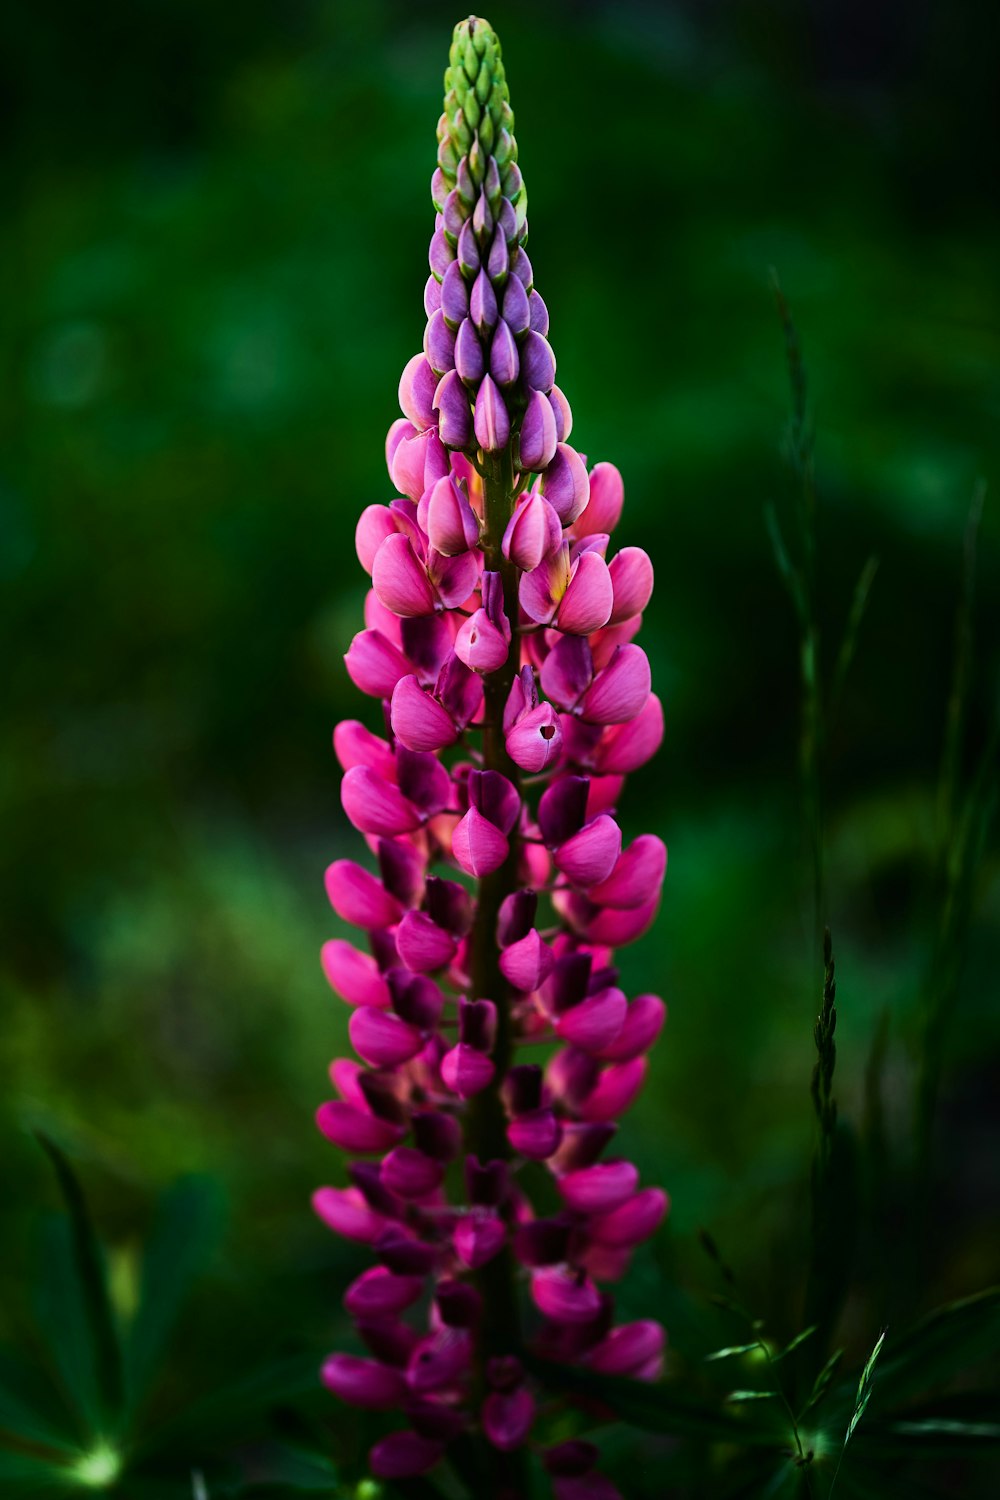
<point>565,1297</point>
<point>354,745</point>
<point>477,845</point>
<point>439,1360</point>
<point>595,1022</point>
<point>628,1347</point>
<point>626,747</point>
<point>423,945</point>
<point>590,855</point>
<point>359,897</point>
<point>638,873</point>
<point>541,590</point>
<point>399,578</point>
<point>567,671</point>
<point>491,419</point>
<point>478,1238</point>
<point>449,520</point>
<point>404,1455</point>
<point>377,1293</point>
<point>535,741</point>
<point>466,1071</point>
<point>613,929</point>
<point>533,531</point>
<point>615,1090</point>
<point>620,692</point>
<point>355,976</point>
<point>607,492</point>
<point>345,1211</point>
<point>364,1382</point>
<point>417,719</point>
<point>508,1418</point>
<point>587,602</point>
<point>565,484</point>
<point>536,1134</point>
<point>355,1131</point>
<point>527,962</point>
<point>455,578</point>
<point>633,1221</point>
<point>410,1174</point>
<point>381,1038</point>
<point>642,1025</point>
<point>374,805</point>
<point>374,664</point>
<point>375,523</point>
<point>632,579</point>
<point>600,1188</point>
<point>480,644</point>
<point>416,391</point>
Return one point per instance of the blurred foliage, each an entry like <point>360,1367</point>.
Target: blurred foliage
<point>212,250</point>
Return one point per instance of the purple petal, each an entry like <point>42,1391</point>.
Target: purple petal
<point>364,1382</point>
<point>418,720</point>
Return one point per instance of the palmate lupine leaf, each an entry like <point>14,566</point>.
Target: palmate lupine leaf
<point>86,1291</point>
<point>184,1231</point>
<point>29,1409</point>
<point>22,1474</point>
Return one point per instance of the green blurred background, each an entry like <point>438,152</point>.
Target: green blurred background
<point>212,251</point>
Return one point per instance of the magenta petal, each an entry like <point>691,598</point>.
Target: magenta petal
<point>451,403</point>
<point>416,391</point>
<point>478,845</point>
<point>410,1174</point>
<point>536,1134</point>
<point>381,1038</point>
<point>345,1211</point>
<point>466,1071</point>
<point>628,746</point>
<point>478,1237</point>
<point>480,645</point>
<point>539,434</point>
<point>591,1486</point>
<point>439,1360</point>
<point>404,1455</point>
<point>613,929</point>
<point>451,523</point>
<point>399,578</point>
<point>454,577</point>
<point>376,806</point>
<point>642,1025</point>
<point>355,1131</point>
<point>359,897</point>
<point>628,1347</point>
<point>527,962</point>
<point>604,509</point>
<point>632,1222</point>
<point>637,876</point>
<point>595,1022</point>
<point>535,741</point>
<point>375,523</point>
<point>374,664</point>
<point>418,720</point>
<point>377,1293</point>
<point>364,1382</point>
<point>355,976</point>
<point>533,531</point>
<point>586,604</point>
<point>565,484</point>
<point>614,1091</point>
<point>541,590</point>
<point>491,420</point>
<point>600,1188</point>
<point>565,1297</point>
<point>567,671</point>
<point>423,945</point>
<point>354,745</point>
<point>632,579</point>
<point>590,855</point>
<point>620,692</point>
<point>508,1418</point>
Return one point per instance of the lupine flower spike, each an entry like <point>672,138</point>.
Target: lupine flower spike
<point>498,641</point>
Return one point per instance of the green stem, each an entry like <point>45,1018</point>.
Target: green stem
<point>487,1127</point>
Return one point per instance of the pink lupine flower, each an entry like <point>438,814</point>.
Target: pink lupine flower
<point>498,640</point>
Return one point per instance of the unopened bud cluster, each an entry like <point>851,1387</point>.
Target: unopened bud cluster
<point>441,818</point>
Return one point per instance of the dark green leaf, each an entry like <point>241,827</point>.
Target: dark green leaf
<point>22,1474</point>
<point>62,1321</point>
<point>732,1351</point>
<point>27,1407</point>
<point>237,1407</point>
<point>949,1341</point>
<point>661,1408</point>
<point>89,1262</point>
<point>797,1342</point>
<point>183,1233</point>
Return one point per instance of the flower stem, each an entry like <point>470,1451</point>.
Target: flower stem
<point>487,1133</point>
